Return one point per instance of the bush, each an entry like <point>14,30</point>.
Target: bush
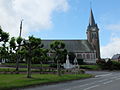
<point>90,67</point>
<point>109,65</point>
<point>81,71</point>
<point>101,63</point>
<point>116,65</point>
<point>53,65</point>
<point>80,61</point>
<point>71,57</point>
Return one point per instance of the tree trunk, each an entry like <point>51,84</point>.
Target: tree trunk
<point>29,68</point>
<point>17,65</point>
<point>41,68</point>
<point>17,62</point>
<point>58,68</point>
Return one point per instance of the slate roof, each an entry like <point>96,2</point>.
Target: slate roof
<point>117,56</point>
<point>72,45</point>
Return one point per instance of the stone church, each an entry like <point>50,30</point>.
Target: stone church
<point>88,50</point>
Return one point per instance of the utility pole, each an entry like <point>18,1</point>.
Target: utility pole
<point>19,56</point>
<point>21,28</point>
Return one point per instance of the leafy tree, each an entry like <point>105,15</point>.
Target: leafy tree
<point>30,45</point>
<point>59,49</point>
<point>15,45</point>
<point>40,56</point>
<point>18,50</point>
<point>71,57</point>
<point>4,37</point>
<point>12,50</point>
<point>4,53</point>
<point>12,44</point>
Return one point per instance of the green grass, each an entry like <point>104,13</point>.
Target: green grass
<point>9,81</point>
<point>20,69</point>
<point>24,64</point>
<point>90,67</point>
<point>11,69</point>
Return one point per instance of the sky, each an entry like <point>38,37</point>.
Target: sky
<point>63,19</point>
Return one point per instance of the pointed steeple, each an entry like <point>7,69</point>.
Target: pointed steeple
<point>93,35</point>
<point>91,19</point>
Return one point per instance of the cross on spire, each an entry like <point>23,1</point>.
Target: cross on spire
<point>90,4</point>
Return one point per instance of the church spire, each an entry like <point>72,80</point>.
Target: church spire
<point>93,34</point>
<point>91,19</point>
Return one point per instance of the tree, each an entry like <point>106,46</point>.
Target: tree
<point>71,57</point>
<point>4,37</point>
<point>19,43</point>
<point>59,49</point>
<point>15,45</point>
<point>30,45</point>
<point>4,53</point>
<point>12,50</point>
<point>40,56</point>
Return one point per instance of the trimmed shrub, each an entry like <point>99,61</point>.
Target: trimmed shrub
<point>80,61</point>
<point>101,63</point>
<point>116,65</point>
<point>53,65</point>
<point>109,65</point>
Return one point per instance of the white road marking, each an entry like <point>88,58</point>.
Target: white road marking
<point>77,86</point>
<point>102,80</point>
<point>67,89</point>
<point>90,84</point>
<point>103,75</point>
<point>108,82</point>
<point>114,77</point>
<point>105,81</point>
<point>91,87</point>
<point>117,79</point>
<point>81,86</point>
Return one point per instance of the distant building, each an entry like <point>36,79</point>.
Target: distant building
<point>88,50</point>
<point>116,57</point>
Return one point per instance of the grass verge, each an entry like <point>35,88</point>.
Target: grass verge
<point>90,67</point>
<point>23,64</point>
<point>10,81</point>
<point>20,70</point>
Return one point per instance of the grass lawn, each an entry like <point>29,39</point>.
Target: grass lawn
<point>11,69</point>
<point>90,67</point>
<point>24,64</point>
<point>9,81</point>
<point>20,70</point>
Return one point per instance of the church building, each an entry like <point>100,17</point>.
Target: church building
<point>88,50</point>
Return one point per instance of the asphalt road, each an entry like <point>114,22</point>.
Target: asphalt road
<point>102,81</point>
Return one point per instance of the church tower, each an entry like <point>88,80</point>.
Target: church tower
<point>93,34</point>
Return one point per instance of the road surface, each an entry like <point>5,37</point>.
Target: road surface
<point>102,81</point>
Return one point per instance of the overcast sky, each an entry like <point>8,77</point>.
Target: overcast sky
<point>63,19</point>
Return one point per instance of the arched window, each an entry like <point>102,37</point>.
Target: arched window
<point>94,35</point>
<point>91,56</point>
<point>84,56</point>
<point>88,56</point>
<point>94,56</point>
<point>79,56</point>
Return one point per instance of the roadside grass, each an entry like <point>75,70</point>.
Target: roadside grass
<point>20,70</point>
<point>11,69</point>
<point>90,67</point>
<point>24,64</point>
<point>10,81</point>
